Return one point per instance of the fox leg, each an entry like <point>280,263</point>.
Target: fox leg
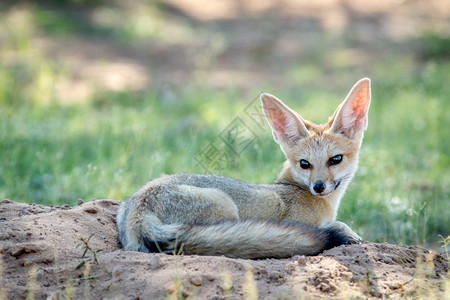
<point>194,205</point>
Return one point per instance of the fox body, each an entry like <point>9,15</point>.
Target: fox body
<point>214,215</point>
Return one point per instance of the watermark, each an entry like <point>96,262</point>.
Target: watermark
<point>220,154</point>
<point>214,160</point>
<point>237,136</point>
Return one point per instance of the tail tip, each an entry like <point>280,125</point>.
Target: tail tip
<point>157,246</point>
<point>337,237</point>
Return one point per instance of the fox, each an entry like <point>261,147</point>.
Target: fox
<point>296,215</point>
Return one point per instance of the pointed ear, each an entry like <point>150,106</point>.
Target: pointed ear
<point>287,126</point>
<point>350,118</point>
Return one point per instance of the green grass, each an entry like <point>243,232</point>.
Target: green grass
<point>112,144</point>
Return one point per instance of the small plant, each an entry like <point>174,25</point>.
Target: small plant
<point>249,286</point>
<point>31,282</point>
<point>175,291</point>
<point>445,244</point>
<point>3,290</point>
<point>227,285</point>
<point>87,277</point>
<point>371,284</point>
<point>177,251</point>
<point>87,247</point>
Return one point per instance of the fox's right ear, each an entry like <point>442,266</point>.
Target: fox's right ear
<point>287,126</point>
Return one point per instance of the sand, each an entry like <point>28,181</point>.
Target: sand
<point>72,252</point>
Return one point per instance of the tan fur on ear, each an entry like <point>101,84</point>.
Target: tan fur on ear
<point>350,118</point>
<point>287,126</point>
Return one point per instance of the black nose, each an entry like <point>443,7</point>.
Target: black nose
<point>319,187</point>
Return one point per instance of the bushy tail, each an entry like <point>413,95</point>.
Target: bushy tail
<point>257,239</point>
<point>252,239</point>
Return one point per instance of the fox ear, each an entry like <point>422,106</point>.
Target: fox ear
<point>287,126</point>
<point>350,118</point>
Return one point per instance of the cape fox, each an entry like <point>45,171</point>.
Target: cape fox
<point>213,215</point>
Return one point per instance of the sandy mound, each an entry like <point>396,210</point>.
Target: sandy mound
<point>42,256</point>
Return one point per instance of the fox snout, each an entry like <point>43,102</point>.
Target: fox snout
<point>319,187</point>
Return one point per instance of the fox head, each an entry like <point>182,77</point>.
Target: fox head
<point>320,158</point>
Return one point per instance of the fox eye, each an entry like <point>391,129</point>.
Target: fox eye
<point>304,164</point>
<point>335,160</point>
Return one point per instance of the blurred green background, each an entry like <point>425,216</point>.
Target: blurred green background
<point>98,97</point>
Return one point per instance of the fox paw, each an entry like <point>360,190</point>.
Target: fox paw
<point>353,237</point>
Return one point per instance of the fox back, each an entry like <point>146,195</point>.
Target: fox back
<point>213,215</point>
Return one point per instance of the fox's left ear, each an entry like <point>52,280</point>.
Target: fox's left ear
<point>350,118</point>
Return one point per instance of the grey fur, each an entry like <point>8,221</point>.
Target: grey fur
<point>166,214</point>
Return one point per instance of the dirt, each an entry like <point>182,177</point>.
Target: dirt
<point>43,256</point>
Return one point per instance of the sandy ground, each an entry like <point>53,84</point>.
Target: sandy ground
<point>42,257</point>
